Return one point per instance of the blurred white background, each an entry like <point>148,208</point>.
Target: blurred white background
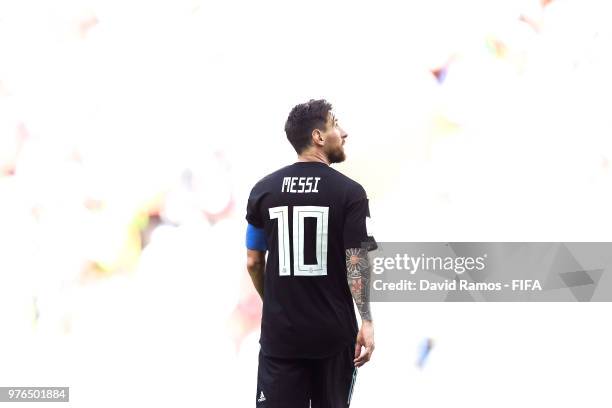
<point>131,133</point>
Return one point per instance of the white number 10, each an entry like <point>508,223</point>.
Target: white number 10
<point>321,214</point>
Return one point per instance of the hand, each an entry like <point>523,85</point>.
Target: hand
<point>365,338</point>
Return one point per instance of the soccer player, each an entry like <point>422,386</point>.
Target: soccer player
<point>311,219</point>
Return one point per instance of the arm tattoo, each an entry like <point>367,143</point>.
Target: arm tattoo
<point>358,275</point>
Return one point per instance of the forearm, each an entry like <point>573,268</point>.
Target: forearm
<point>256,271</point>
<point>358,276</point>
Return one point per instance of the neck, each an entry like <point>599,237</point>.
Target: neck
<point>313,157</point>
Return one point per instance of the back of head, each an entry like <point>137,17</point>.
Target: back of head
<point>303,119</point>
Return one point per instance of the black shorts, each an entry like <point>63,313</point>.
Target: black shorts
<point>303,383</point>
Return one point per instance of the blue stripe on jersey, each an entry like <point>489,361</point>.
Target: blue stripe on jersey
<point>256,238</point>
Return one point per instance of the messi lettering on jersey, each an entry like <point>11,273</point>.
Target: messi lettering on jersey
<point>300,185</point>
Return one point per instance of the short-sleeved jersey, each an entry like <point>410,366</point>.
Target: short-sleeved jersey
<point>310,213</point>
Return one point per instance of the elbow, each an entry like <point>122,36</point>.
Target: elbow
<point>255,262</point>
<point>252,264</point>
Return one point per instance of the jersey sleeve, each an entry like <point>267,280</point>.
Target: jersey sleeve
<point>355,233</point>
<point>253,215</point>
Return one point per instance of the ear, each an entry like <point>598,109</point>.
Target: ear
<point>317,138</point>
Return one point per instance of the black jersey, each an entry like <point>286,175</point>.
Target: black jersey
<point>310,213</point>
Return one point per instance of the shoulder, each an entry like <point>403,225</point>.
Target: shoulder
<point>353,189</point>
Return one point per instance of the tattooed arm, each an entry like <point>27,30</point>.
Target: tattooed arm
<point>358,275</point>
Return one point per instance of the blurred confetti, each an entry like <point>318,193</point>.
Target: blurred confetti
<point>424,351</point>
